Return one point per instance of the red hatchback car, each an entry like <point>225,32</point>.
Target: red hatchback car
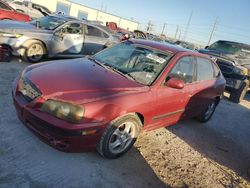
<point>8,13</point>
<point>104,101</point>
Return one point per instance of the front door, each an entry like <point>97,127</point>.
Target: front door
<point>173,104</point>
<point>69,39</point>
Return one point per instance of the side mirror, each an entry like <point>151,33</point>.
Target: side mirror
<point>124,37</point>
<point>59,33</point>
<point>175,83</point>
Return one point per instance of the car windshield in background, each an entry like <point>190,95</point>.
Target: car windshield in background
<point>49,22</point>
<point>141,64</point>
<point>241,51</point>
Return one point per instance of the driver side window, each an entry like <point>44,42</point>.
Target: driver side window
<point>183,69</point>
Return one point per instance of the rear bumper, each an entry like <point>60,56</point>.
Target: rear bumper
<point>67,140</point>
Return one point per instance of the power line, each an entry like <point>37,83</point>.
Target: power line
<point>186,30</point>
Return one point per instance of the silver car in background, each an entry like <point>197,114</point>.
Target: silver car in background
<point>54,36</point>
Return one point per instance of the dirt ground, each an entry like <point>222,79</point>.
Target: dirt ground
<point>189,154</point>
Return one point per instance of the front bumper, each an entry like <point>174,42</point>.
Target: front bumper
<point>69,139</point>
<point>16,44</point>
<point>233,84</point>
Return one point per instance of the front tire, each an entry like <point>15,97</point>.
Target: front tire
<point>119,136</point>
<point>238,95</point>
<point>34,51</point>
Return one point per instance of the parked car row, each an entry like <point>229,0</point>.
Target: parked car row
<point>54,36</point>
<point>104,100</point>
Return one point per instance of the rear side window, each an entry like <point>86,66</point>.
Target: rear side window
<point>92,31</point>
<point>205,70</point>
<point>183,69</point>
<point>3,6</point>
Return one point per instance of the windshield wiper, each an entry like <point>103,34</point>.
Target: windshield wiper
<point>97,62</point>
<point>121,73</point>
<point>106,66</point>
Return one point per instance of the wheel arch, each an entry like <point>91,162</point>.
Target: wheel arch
<point>217,99</point>
<point>136,114</point>
<point>28,42</point>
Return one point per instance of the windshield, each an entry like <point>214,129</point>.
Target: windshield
<point>138,62</point>
<point>237,49</point>
<point>49,22</point>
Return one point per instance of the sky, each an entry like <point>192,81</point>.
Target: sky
<point>230,17</point>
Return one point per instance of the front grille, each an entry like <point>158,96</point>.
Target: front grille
<point>225,66</point>
<point>28,90</point>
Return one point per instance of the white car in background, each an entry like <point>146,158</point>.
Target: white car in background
<point>33,10</point>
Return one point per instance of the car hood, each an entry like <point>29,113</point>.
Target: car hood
<point>231,57</point>
<point>217,53</point>
<point>10,26</point>
<point>79,81</point>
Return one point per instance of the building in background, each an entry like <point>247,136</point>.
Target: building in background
<point>84,12</point>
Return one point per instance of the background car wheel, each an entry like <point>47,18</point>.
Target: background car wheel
<point>34,51</point>
<point>119,136</point>
<point>205,116</point>
<point>239,94</point>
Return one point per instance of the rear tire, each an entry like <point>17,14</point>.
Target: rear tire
<point>238,95</point>
<point>205,116</point>
<point>119,136</point>
<point>34,51</point>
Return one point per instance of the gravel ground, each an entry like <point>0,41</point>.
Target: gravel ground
<point>189,154</point>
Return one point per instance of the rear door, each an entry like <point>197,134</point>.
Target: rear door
<point>206,86</point>
<point>69,39</point>
<point>95,40</point>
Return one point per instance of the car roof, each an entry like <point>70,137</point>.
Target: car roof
<point>162,46</point>
<point>65,17</point>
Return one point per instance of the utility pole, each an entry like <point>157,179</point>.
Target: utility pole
<point>186,30</point>
<point>177,29</point>
<point>179,38</point>
<point>212,31</point>
<point>102,7</point>
<point>163,28</point>
<point>149,27</point>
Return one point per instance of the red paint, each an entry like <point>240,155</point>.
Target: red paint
<point>105,96</point>
<point>12,14</point>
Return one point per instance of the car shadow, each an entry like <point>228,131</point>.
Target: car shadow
<point>224,138</point>
<point>40,165</point>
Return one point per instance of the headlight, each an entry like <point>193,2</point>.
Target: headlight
<point>11,35</point>
<point>63,110</point>
<point>241,70</point>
